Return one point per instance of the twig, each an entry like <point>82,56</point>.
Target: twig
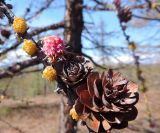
<point>93,61</point>
<point>10,125</point>
<point>29,71</point>
<point>9,72</point>
<point>146,18</point>
<point>4,9</point>
<point>45,6</point>
<point>7,86</point>
<point>15,45</point>
<point>138,72</point>
<point>46,28</point>
<point>33,33</point>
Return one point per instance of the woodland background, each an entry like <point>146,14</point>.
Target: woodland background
<point>28,103</point>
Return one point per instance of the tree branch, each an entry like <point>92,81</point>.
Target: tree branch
<point>46,28</point>
<point>15,45</point>
<point>93,61</point>
<point>34,33</point>
<point>45,6</point>
<point>146,18</point>
<point>11,126</point>
<point>4,9</point>
<point>11,71</point>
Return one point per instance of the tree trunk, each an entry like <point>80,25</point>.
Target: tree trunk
<point>66,125</point>
<point>73,25</point>
<point>72,38</point>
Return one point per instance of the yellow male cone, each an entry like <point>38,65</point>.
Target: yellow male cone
<point>49,73</point>
<point>132,46</point>
<point>154,5</point>
<point>29,47</point>
<point>74,114</point>
<point>19,25</point>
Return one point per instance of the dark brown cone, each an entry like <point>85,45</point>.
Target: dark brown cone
<point>106,101</point>
<point>9,6</point>
<point>124,14</point>
<point>72,69</point>
<point>5,33</point>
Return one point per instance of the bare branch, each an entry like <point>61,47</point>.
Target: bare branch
<point>95,8</point>
<point>11,126</point>
<point>27,35</point>
<point>29,71</point>
<point>15,45</point>
<point>146,18</point>
<point>45,6</point>
<point>93,61</point>
<point>46,28</point>
<point>11,71</point>
<point>34,33</point>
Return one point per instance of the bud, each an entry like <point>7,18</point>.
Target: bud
<point>132,46</point>
<point>29,47</point>
<point>117,3</point>
<point>74,114</point>
<point>125,14</point>
<point>49,73</point>
<point>5,33</point>
<point>2,97</point>
<point>19,25</point>
<point>154,5</point>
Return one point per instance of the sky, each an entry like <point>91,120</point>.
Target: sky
<point>147,35</point>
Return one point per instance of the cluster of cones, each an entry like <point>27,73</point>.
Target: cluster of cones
<point>102,101</point>
<point>124,13</point>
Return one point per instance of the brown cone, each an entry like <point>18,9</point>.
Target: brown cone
<point>106,101</point>
<point>5,33</point>
<point>124,14</point>
<point>73,69</point>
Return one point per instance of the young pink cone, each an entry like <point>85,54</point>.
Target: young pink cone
<point>117,3</point>
<point>53,47</point>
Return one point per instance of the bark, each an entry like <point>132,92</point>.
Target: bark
<point>66,124</point>
<point>72,37</point>
<point>73,25</point>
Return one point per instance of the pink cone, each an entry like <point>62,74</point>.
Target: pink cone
<point>117,3</point>
<point>53,46</point>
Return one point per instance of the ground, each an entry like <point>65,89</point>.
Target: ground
<point>40,115</point>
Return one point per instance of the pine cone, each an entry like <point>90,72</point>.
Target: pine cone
<point>106,101</point>
<point>125,14</point>
<point>9,6</point>
<point>117,3</point>
<point>72,69</point>
<point>5,33</point>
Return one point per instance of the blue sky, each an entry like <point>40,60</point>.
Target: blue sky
<point>54,15</point>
